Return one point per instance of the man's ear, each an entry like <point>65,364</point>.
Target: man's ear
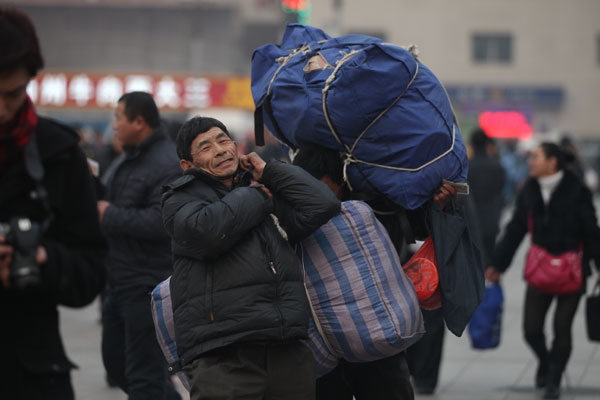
<point>139,121</point>
<point>185,164</point>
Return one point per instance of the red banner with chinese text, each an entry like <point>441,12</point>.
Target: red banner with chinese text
<point>57,89</point>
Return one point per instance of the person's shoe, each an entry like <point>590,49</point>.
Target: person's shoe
<point>552,391</point>
<point>541,375</point>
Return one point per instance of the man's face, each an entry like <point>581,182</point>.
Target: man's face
<point>215,153</point>
<point>12,93</point>
<point>127,131</point>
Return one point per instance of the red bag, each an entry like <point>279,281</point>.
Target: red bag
<point>421,269</point>
<point>554,274</point>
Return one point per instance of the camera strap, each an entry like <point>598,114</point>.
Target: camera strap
<point>35,169</point>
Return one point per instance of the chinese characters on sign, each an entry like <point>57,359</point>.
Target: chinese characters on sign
<point>82,90</point>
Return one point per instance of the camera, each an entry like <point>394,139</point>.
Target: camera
<point>24,236</point>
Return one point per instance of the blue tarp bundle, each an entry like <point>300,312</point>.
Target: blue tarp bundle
<point>369,99</point>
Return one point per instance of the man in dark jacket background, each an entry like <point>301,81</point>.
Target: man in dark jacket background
<point>239,301</point>
<point>44,182</point>
<point>139,251</point>
<point>486,181</point>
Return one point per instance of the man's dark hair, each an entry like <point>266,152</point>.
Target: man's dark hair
<point>553,150</point>
<point>479,140</point>
<point>141,104</point>
<point>19,44</point>
<point>190,131</point>
<point>319,162</point>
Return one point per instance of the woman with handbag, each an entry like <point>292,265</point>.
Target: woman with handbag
<point>557,209</point>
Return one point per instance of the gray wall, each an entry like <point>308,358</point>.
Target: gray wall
<point>199,40</point>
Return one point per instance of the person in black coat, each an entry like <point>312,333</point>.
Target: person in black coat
<point>239,301</point>
<point>45,183</point>
<point>387,378</point>
<point>139,254</point>
<point>486,181</point>
<point>559,209</point>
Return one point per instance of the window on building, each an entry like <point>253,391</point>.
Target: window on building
<point>492,48</point>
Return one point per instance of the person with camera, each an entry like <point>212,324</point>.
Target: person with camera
<point>51,247</point>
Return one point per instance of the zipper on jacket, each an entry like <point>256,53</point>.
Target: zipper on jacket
<point>276,283</point>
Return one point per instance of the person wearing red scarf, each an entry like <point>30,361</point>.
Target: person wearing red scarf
<point>15,134</point>
<point>44,178</point>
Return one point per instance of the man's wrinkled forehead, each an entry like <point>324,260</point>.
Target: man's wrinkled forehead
<point>210,135</point>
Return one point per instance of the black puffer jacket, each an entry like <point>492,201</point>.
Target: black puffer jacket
<point>74,273</point>
<point>236,277</point>
<point>140,254</point>
<point>567,221</point>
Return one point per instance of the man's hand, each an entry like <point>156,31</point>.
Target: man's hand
<point>444,193</point>
<point>264,188</point>
<point>102,206</point>
<point>253,162</point>
<point>6,252</point>
<point>492,275</point>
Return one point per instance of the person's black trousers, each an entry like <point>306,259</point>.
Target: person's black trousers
<point>536,308</point>
<point>425,356</point>
<point>17,383</point>
<point>386,379</point>
<point>130,350</point>
<point>254,371</point>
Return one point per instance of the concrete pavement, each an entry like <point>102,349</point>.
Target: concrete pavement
<point>500,374</point>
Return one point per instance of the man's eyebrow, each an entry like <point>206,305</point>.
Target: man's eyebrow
<point>202,142</point>
<point>205,141</point>
<point>15,90</point>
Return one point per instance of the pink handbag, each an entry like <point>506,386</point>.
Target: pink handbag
<point>554,274</point>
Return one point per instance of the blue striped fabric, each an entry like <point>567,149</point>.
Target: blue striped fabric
<point>366,306</point>
<point>162,314</point>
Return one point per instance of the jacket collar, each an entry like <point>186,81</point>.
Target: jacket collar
<point>134,151</point>
<point>241,178</point>
<point>54,138</point>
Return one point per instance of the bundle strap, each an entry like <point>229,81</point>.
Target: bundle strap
<point>265,104</point>
<point>350,158</point>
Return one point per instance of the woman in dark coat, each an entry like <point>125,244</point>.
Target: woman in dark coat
<point>558,208</point>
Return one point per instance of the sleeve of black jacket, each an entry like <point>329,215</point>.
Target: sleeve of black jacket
<point>205,228</point>
<point>142,223</point>
<point>301,202</point>
<point>513,235</point>
<point>74,273</point>
<point>589,226</point>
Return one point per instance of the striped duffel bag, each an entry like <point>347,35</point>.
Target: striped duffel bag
<point>364,306</point>
<point>162,314</point>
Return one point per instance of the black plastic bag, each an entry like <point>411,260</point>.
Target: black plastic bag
<point>592,314</point>
<point>460,261</point>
